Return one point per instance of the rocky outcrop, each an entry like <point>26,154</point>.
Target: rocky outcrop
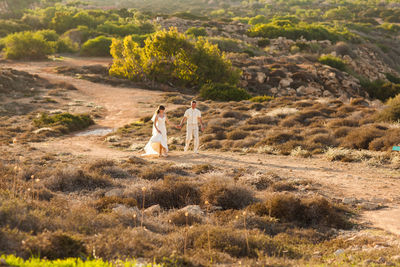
<point>285,76</point>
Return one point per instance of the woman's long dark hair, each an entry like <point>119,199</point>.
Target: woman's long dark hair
<point>160,108</point>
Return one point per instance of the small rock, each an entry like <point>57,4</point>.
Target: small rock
<point>370,206</point>
<point>136,160</point>
<point>194,210</point>
<point>396,258</point>
<point>285,82</point>
<point>116,192</point>
<point>41,130</point>
<point>113,138</point>
<point>339,252</point>
<point>261,77</point>
<point>56,111</point>
<point>153,210</point>
<point>126,211</point>
<point>368,262</point>
<point>349,200</point>
<point>381,260</point>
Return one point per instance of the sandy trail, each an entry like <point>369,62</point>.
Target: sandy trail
<point>125,105</point>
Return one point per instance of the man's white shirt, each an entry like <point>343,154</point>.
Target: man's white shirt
<point>192,116</point>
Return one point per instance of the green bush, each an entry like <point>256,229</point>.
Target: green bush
<point>49,35</point>
<point>261,98</point>
<point>196,32</point>
<point>65,45</point>
<point>223,92</point>
<point>392,111</point>
<point>332,61</point>
<point>290,30</point>
<point>27,45</point>
<point>97,47</point>
<point>69,121</point>
<point>263,42</point>
<point>392,78</point>
<point>169,56</point>
<point>381,89</point>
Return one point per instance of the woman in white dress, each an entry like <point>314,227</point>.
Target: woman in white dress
<point>158,143</point>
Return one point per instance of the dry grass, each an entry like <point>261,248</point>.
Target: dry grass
<point>224,193</point>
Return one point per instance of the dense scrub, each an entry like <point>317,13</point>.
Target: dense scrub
<point>169,56</point>
<point>114,218</point>
<point>288,125</point>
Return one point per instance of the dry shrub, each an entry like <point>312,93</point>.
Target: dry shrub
<point>152,173</point>
<point>67,86</point>
<point>226,122</point>
<point>323,139</point>
<point>107,203</point>
<point>215,144</point>
<point>15,213</point>
<point>121,243</point>
<point>246,143</point>
<point>341,132</point>
<point>360,138</point>
<point>44,194</point>
<point>237,134</point>
<point>387,141</point>
<point>226,194</point>
<point>279,137</point>
<point>343,122</point>
<point>172,192</point>
<point>234,114</point>
<point>234,242</point>
<point>212,129</point>
<point>179,218</point>
<point>301,117</point>
<point>345,110</point>
<point>54,246</point>
<point>300,152</point>
<point>84,219</point>
<point>10,240</point>
<point>283,186</point>
<point>359,101</point>
<point>71,179</point>
<point>266,224</point>
<point>107,167</point>
<point>306,212</point>
<point>262,120</point>
<point>202,168</point>
<point>260,182</point>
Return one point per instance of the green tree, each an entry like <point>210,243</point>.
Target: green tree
<point>169,56</point>
<point>62,21</point>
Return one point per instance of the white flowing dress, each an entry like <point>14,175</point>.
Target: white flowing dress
<point>157,137</point>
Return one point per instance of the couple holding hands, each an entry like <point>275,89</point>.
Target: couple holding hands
<point>158,143</point>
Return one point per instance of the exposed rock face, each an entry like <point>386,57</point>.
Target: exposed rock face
<point>284,76</point>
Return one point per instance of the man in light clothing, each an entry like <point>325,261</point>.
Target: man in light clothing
<point>193,118</point>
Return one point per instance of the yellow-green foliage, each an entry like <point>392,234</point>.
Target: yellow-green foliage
<point>12,260</point>
<point>27,45</point>
<point>261,98</point>
<point>169,56</point>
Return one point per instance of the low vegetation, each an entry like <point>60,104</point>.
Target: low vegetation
<point>65,122</point>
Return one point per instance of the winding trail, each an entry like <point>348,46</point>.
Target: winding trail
<point>125,105</point>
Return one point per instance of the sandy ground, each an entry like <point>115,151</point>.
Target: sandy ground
<point>125,105</point>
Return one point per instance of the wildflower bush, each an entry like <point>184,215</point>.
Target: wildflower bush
<point>169,56</point>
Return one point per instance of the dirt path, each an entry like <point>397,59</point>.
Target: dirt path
<point>125,105</point>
